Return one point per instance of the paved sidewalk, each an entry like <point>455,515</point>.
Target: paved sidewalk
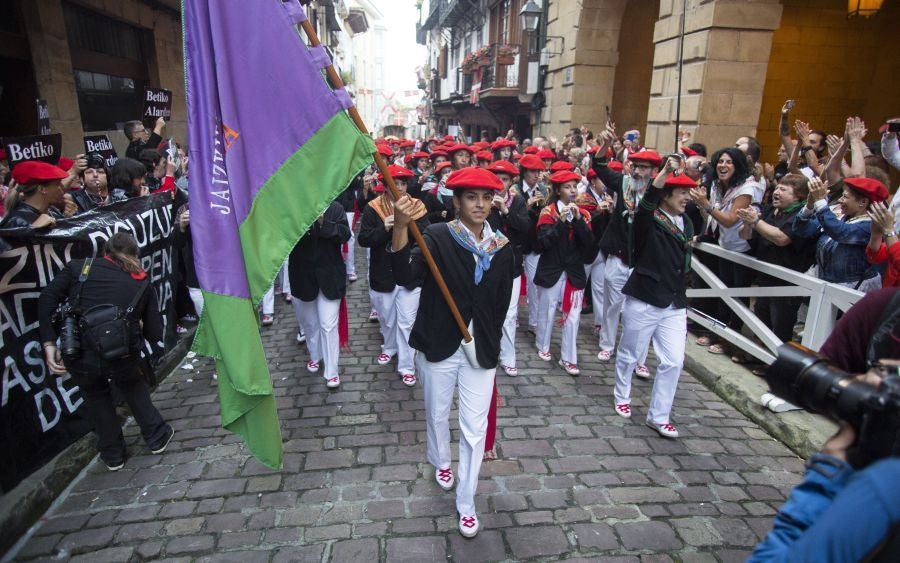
<point>575,481</point>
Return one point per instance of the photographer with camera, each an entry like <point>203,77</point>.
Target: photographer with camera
<point>848,506</point>
<point>110,311</point>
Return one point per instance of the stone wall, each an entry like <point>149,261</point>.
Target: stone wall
<point>45,26</point>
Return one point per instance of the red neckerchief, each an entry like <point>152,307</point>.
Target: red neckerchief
<point>138,276</point>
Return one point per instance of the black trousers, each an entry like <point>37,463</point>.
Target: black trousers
<point>100,410</point>
<point>777,313</point>
<point>733,275</point>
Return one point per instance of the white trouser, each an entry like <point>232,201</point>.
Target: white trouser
<point>548,300</point>
<point>668,330</point>
<point>597,272</point>
<point>406,305</point>
<point>616,275</point>
<point>508,337</point>
<point>197,298</point>
<point>530,264</point>
<point>384,304</point>
<point>476,387</point>
<point>285,279</point>
<point>319,321</point>
<point>351,247</point>
<point>268,301</point>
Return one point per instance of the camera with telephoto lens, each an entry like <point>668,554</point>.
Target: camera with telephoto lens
<point>69,334</point>
<point>811,381</point>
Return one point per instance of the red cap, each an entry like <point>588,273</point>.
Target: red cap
<point>591,174</point>
<point>502,143</point>
<point>616,165</point>
<point>37,172</point>
<point>65,163</point>
<point>531,149</point>
<point>438,152</point>
<point>474,179</point>
<point>397,172</point>
<point>531,162</point>
<point>503,167</point>
<point>868,187</point>
<point>647,156</point>
<point>563,176</point>
<point>546,153</point>
<point>459,147</point>
<point>680,181</point>
<point>441,166</point>
<point>384,150</point>
<point>561,165</point>
<point>484,155</point>
<point>688,152</point>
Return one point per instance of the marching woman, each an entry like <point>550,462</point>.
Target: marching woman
<point>596,202</point>
<point>655,302</point>
<point>396,304</point>
<point>478,265</point>
<point>563,237</point>
<point>318,284</point>
<point>536,194</point>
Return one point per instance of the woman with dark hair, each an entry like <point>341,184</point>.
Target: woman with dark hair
<point>160,175</point>
<point>731,187</point>
<point>115,279</point>
<point>127,179</point>
<point>95,179</point>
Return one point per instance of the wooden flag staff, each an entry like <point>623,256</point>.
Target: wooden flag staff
<point>389,182</point>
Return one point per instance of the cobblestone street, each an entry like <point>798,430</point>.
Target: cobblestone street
<point>574,480</point>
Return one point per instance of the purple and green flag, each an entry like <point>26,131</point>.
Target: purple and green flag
<point>271,146</point>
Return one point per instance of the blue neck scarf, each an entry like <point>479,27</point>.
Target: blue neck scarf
<point>490,244</point>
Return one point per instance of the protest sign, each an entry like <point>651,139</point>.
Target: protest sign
<point>43,117</point>
<point>103,146</point>
<point>157,103</point>
<point>46,148</point>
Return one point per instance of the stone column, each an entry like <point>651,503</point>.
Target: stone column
<point>726,52</point>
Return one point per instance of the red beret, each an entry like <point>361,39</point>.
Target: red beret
<point>474,179</point>
<point>420,154</point>
<point>546,153</point>
<point>484,155</point>
<point>438,152</point>
<point>561,165</point>
<point>480,145</point>
<point>385,150</point>
<point>37,172</point>
<point>868,187</point>
<point>616,165</point>
<point>404,144</point>
<point>593,150</point>
<point>397,172</point>
<point>378,188</point>
<point>65,163</point>
<point>680,181</point>
<point>531,149</point>
<point>563,176</point>
<point>459,147</point>
<point>502,143</point>
<point>647,156</point>
<point>688,152</point>
<point>591,174</point>
<point>503,167</point>
<point>531,162</point>
<point>449,138</point>
<point>441,166</point>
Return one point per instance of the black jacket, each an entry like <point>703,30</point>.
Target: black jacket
<point>373,235</point>
<point>435,333</point>
<point>530,244</point>
<point>563,246</point>
<point>107,283</point>
<point>662,257</point>
<point>618,232</point>
<point>516,225</point>
<point>85,202</point>
<point>316,262</point>
<point>136,146</point>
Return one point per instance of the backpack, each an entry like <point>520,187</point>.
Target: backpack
<point>107,330</point>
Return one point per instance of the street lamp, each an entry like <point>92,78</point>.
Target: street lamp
<point>864,8</point>
<point>530,15</point>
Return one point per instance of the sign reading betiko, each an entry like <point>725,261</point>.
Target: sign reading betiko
<point>101,144</point>
<point>43,116</point>
<point>45,148</point>
<point>157,103</point>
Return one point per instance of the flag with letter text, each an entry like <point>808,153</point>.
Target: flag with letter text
<point>271,146</point>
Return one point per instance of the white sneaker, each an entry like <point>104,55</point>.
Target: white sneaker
<point>333,382</point>
<point>604,355</point>
<point>511,371</point>
<point>642,372</point>
<point>571,369</point>
<point>468,525</point>
<point>544,356</point>
<point>444,478</point>
<point>301,338</point>
<point>666,430</point>
<point>383,359</point>
<point>623,410</point>
<point>312,367</point>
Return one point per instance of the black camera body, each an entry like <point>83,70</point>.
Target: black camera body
<point>811,381</point>
<point>69,332</point>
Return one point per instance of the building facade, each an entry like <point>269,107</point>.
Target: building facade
<point>718,69</point>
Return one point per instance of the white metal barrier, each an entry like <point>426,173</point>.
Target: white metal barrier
<point>825,300</point>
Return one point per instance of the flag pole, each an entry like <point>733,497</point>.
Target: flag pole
<point>389,182</point>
